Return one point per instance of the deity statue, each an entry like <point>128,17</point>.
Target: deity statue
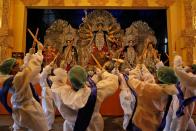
<point>69,56</point>
<point>61,38</point>
<point>49,52</point>
<point>115,51</point>
<point>150,55</point>
<point>130,54</point>
<point>140,30</point>
<point>97,33</point>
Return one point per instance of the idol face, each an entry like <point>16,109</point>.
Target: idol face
<point>69,42</point>
<point>99,40</point>
<point>131,41</point>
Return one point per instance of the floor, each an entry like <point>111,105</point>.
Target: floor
<point>111,123</point>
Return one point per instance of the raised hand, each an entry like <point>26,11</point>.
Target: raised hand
<point>40,46</point>
<point>31,51</point>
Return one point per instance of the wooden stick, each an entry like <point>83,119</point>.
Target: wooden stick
<point>96,61</point>
<point>55,57</point>
<point>67,52</point>
<point>34,38</point>
<point>167,55</point>
<point>118,60</point>
<point>165,61</point>
<point>36,34</point>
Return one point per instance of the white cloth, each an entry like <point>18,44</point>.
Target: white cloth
<point>47,101</point>
<point>28,57</point>
<point>127,101</point>
<point>172,122</point>
<point>185,122</point>
<point>69,101</point>
<point>27,112</point>
<point>178,61</point>
<point>152,99</point>
<point>60,76</point>
<point>159,64</point>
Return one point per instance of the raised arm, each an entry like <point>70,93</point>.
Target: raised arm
<point>43,76</point>
<point>107,86</point>
<point>28,57</point>
<point>33,68</point>
<point>189,80</point>
<point>146,80</point>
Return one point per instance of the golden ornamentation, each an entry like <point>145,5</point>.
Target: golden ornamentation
<point>54,35</point>
<point>140,30</point>
<point>139,3</point>
<point>98,2</point>
<point>139,40</point>
<point>5,44</point>
<point>30,2</point>
<point>56,2</point>
<point>150,55</point>
<point>189,33</point>
<point>119,2</point>
<point>97,33</point>
<point>76,2</point>
<point>59,36</point>
<point>165,2</point>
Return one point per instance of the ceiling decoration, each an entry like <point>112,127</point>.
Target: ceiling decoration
<point>30,2</point>
<point>165,2</point>
<point>98,2</point>
<point>55,2</point>
<point>139,3</point>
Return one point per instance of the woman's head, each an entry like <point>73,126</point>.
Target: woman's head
<point>166,75</point>
<point>9,66</point>
<point>194,68</point>
<point>77,77</point>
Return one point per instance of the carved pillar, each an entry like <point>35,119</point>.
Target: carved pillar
<point>189,33</point>
<point>5,43</point>
<point>5,48</point>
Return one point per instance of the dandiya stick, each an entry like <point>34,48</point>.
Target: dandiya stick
<point>55,58</point>
<point>96,61</point>
<point>167,55</point>
<point>67,52</point>
<point>36,34</point>
<point>34,38</point>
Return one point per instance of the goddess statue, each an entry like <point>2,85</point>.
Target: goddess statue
<point>61,38</point>
<point>69,56</point>
<point>150,55</point>
<point>97,33</point>
<point>130,54</point>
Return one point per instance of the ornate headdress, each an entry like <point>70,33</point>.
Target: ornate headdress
<point>140,30</point>
<point>99,21</point>
<point>54,33</point>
